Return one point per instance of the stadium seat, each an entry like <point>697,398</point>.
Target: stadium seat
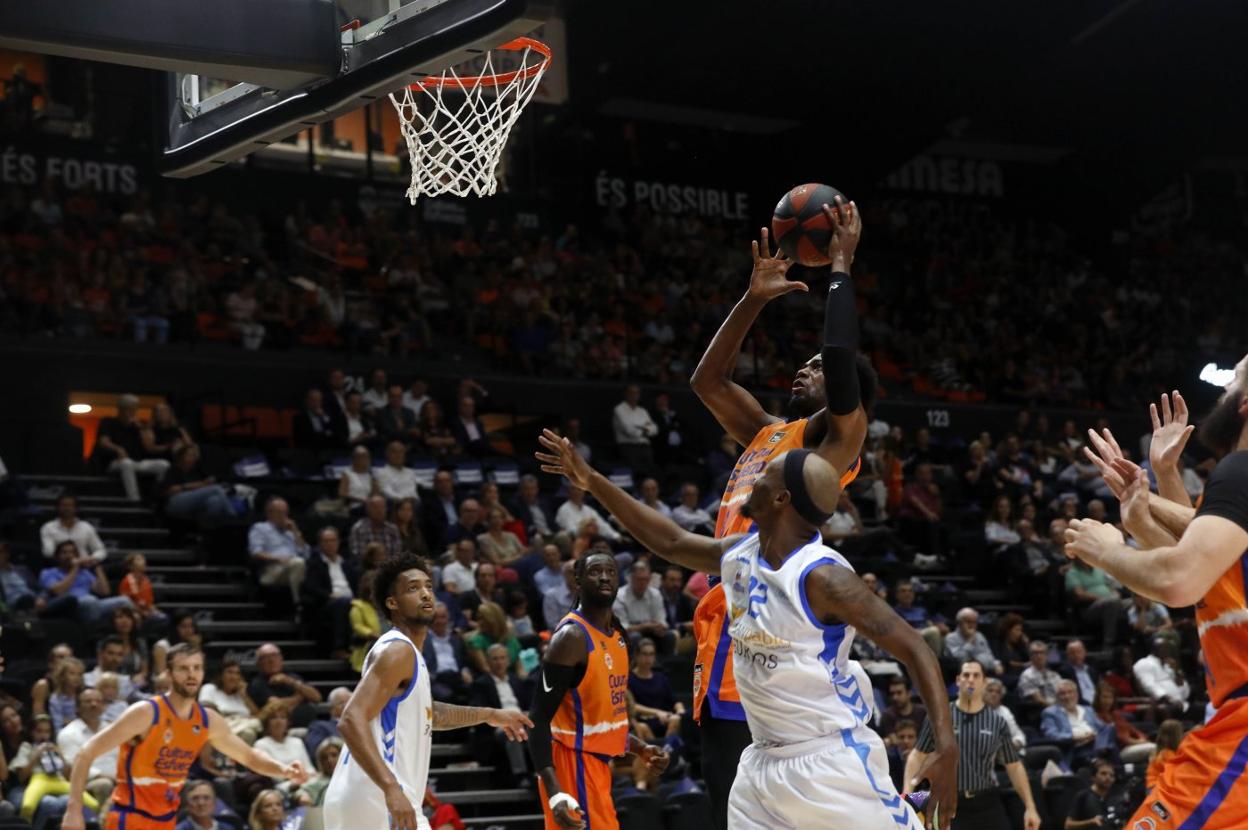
<point>1040,754</point>
<point>621,477</point>
<point>687,811</point>
<point>253,466</point>
<point>425,471</point>
<point>506,474</point>
<point>469,474</point>
<point>638,811</point>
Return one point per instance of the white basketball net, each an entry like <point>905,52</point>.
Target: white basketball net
<point>455,146</point>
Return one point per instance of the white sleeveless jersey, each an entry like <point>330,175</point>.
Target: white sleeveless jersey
<point>403,733</point>
<point>794,674</point>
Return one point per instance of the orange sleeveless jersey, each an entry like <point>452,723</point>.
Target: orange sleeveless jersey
<point>713,678</point>
<point>151,770</point>
<point>593,717</point>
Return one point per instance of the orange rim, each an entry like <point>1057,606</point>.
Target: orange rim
<point>502,79</point>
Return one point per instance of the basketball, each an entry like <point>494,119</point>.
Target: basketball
<point>799,226</point>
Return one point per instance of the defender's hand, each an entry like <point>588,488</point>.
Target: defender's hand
<point>515,725</point>
<point>941,771</point>
<point>1088,539</point>
<point>1170,432</point>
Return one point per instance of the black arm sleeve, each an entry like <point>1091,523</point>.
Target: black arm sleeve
<point>552,684</point>
<point>840,346</point>
<point>1226,495</point>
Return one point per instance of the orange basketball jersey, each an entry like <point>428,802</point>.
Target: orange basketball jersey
<point>593,717</point>
<point>1222,620</point>
<point>713,678</point>
<point>151,770</point>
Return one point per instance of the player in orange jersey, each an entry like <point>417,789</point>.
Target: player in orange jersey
<point>1203,562</point>
<point>833,429</point>
<point>160,738</point>
<point>580,706</point>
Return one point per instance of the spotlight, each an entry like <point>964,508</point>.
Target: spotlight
<point>1218,377</point>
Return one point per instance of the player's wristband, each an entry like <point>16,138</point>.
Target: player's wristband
<point>563,799</point>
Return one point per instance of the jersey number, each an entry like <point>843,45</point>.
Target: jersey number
<point>758,596</point>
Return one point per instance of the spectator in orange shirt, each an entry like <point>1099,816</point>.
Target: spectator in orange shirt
<point>138,587</point>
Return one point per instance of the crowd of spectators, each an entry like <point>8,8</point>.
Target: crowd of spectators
<point>503,557</point>
<point>921,508</point>
<point>629,297</point>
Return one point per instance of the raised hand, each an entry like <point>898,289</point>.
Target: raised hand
<point>1107,453</point>
<point>768,280</point>
<point>846,224</point>
<point>1134,496</point>
<point>563,459</point>
<point>1170,432</point>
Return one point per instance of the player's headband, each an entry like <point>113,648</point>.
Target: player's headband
<point>796,485</point>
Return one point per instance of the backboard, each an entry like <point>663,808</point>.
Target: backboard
<point>240,75</point>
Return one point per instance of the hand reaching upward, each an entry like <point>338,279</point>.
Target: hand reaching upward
<point>563,459</point>
<point>1170,432</point>
<point>768,279</point>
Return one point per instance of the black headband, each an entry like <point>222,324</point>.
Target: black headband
<point>793,482</point>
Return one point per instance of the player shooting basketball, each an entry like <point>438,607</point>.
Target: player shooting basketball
<point>793,604</point>
<point>836,432</point>
<point>1191,557</point>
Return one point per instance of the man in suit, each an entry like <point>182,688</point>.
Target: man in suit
<point>1071,725</point>
<point>468,524</point>
<point>439,512</point>
<point>446,659</point>
<point>484,590</point>
<point>468,429</point>
<point>678,607</point>
<point>327,592</point>
<point>314,427</point>
<point>501,689</point>
<point>394,421</point>
<point>335,396</point>
<point>533,509</point>
<point>1078,669</point>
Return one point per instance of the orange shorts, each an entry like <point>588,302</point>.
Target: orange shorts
<point>587,778</point>
<point>117,820</point>
<point>1202,786</point>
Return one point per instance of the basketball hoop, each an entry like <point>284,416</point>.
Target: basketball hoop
<point>455,147</point>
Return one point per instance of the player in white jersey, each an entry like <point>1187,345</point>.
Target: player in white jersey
<point>795,605</point>
<point>389,721</point>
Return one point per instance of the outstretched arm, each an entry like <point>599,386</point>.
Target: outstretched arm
<point>837,595</point>
<point>449,716</point>
<point>1176,575</point>
<point>739,412</point>
<point>845,419</point>
<point>233,747</point>
<point>650,527</point>
<point>1170,434</point>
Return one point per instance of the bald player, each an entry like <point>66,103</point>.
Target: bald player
<point>795,605</point>
<point>831,395</point>
<point>1201,561</point>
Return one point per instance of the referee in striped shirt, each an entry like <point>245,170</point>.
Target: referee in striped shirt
<point>982,736</point>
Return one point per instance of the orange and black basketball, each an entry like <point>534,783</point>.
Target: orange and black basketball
<point>799,226</point>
